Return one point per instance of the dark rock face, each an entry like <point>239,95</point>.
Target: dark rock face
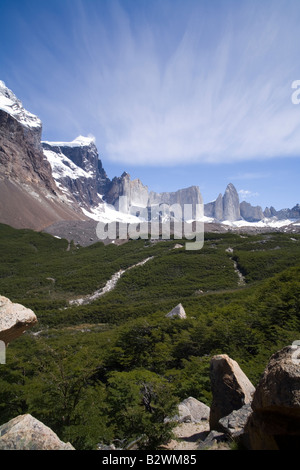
<point>233,424</point>
<point>78,170</point>
<point>29,196</point>
<point>275,421</point>
<point>250,213</point>
<point>21,155</point>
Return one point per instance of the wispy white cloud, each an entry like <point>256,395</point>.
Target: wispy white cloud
<point>250,175</point>
<point>246,193</point>
<point>220,91</point>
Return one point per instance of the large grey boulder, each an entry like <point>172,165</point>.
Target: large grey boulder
<point>193,411</point>
<point>275,421</point>
<point>231,389</point>
<point>27,433</point>
<point>14,319</point>
<point>177,312</point>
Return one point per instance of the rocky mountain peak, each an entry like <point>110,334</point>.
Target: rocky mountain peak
<point>226,207</point>
<point>13,106</point>
<point>29,195</point>
<point>77,169</point>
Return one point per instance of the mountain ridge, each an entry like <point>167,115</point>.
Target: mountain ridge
<point>44,183</point>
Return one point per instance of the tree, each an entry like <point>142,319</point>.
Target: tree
<point>140,403</point>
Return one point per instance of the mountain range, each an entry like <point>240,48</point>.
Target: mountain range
<point>61,186</point>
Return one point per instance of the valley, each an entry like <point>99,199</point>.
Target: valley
<point>81,369</point>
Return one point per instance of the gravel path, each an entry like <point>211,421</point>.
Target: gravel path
<point>188,436</point>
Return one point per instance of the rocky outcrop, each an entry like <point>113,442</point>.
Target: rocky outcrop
<point>215,440</point>
<point>139,197</point>
<point>14,320</point>
<point>21,155</point>
<point>226,207</point>
<point>187,196</point>
<point>283,214</point>
<point>275,421</point>
<point>77,170</point>
<point>192,410</point>
<point>177,312</point>
<point>270,212</point>
<point>27,433</point>
<point>231,389</point>
<point>251,213</point>
<point>29,196</point>
<point>233,425</point>
<point>135,192</point>
<point>231,204</point>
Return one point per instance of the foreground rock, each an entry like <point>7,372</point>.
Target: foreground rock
<point>214,441</point>
<point>233,425</point>
<point>177,312</point>
<point>231,389</point>
<point>192,410</point>
<point>275,421</point>
<point>14,320</point>
<point>27,433</point>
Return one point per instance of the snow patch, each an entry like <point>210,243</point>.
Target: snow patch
<point>63,167</point>
<point>106,214</point>
<point>13,106</point>
<point>272,223</point>
<point>80,141</point>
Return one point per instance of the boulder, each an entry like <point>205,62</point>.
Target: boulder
<point>193,411</point>
<point>177,311</point>
<point>231,389</point>
<point>214,441</point>
<point>27,433</point>
<point>233,424</point>
<point>14,320</point>
<point>177,246</point>
<point>275,421</point>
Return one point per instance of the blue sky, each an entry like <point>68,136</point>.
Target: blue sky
<point>176,92</point>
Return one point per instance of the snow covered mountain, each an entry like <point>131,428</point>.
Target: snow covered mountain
<point>56,184</point>
<point>13,106</point>
<point>230,212</point>
<point>29,196</point>
<point>77,170</point>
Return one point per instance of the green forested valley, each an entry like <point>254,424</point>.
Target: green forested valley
<point>112,370</point>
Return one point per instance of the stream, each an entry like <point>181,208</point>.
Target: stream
<point>110,285</point>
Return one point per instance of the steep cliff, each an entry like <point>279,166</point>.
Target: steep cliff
<point>77,170</point>
<point>29,196</point>
<point>226,207</point>
<point>251,213</point>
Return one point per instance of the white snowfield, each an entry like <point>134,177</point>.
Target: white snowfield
<point>13,106</point>
<point>272,223</point>
<point>106,213</point>
<point>80,141</point>
<point>63,167</point>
